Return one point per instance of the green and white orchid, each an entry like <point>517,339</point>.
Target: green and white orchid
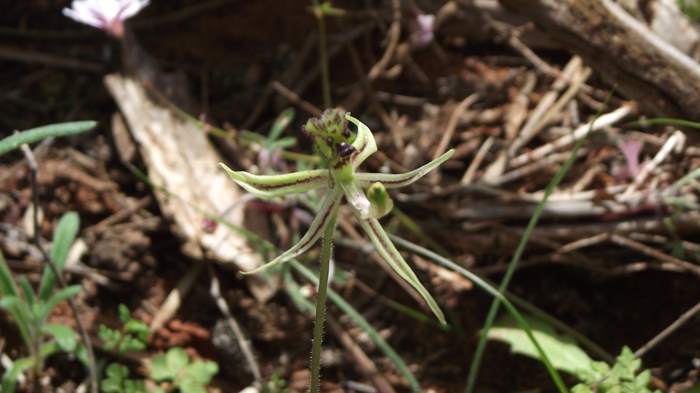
<point>343,151</point>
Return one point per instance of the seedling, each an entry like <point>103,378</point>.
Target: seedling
<point>117,381</point>
<point>623,376</point>
<point>132,336</point>
<point>29,309</point>
<point>188,376</point>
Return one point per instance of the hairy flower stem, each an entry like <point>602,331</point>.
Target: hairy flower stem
<point>320,320</point>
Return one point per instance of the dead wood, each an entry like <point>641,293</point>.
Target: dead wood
<point>181,160</point>
<point>624,51</point>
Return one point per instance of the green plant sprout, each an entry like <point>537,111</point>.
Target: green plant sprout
<point>30,310</point>
<point>188,376</point>
<point>132,336</point>
<point>623,376</point>
<point>342,151</point>
<point>117,381</point>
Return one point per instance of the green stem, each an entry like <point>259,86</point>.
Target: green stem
<point>323,56</point>
<point>319,321</point>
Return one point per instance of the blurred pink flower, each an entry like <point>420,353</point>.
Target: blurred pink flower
<point>631,148</point>
<point>423,33</point>
<point>108,15</point>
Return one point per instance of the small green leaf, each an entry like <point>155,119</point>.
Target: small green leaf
<point>116,381</point>
<point>9,379</point>
<point>191,386</point>
<point>19,310</point>
<point>167,366</point>
<point>177,359</point>
<point>60,296</point>
<point>110,337</point>
<point>64,335</point>
<point>64,235</point>
<point>36,134</point>
<point>202,371</point>
<point>159,369</point>
<point>561,350</point>
<point>7,282</point>
<point>27,290</point>
<point>280,124</point>
<point>124,314</point>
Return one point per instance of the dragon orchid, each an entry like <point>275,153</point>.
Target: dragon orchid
<point>343,151</point>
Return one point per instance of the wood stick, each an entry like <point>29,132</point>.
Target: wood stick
<point>626,53</point>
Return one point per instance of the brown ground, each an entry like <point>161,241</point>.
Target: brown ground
<point>229,54</point>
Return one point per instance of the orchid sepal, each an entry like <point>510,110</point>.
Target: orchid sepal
<point>328,210</point>
<point>386,249</point>
<point>364,142</point>
<point>390,180</point>
<point>270,186</point>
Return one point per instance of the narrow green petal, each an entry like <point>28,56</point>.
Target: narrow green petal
<point>364,143</point>
<point>391,255</point>
<point>329,207</point>
<point>269,186</point>
<point>402,179</point>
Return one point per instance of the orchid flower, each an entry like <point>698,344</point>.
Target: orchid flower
<point>423,30</point>
<point>343,151</point>
<point>107,15</point>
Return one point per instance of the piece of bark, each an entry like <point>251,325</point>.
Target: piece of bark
<point>624,51</point>
<point>180,159</point>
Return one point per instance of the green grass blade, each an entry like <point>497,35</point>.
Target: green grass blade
<point>554,374</point>
<point>489,287</point>
<point>36,134</point>
<point>665,121</point>
<point>493,311</point>
<point>63,238</point>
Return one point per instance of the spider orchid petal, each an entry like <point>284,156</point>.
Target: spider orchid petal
<point>401,179</point>
<point>364,143</point>
<point>270,186</point>
<point>391,255</point>
<point>328,210</point>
